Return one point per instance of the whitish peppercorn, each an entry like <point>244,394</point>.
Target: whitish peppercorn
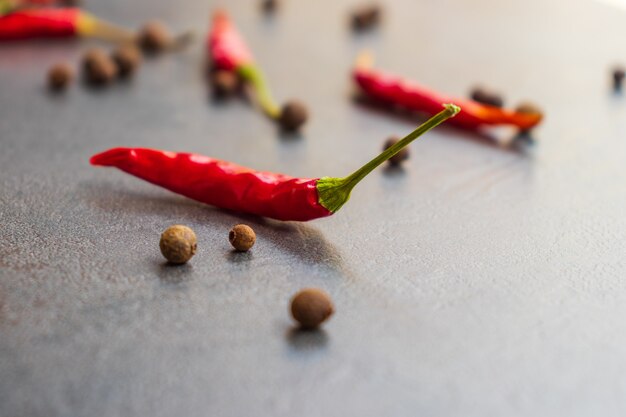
<point>293,115</point>
<point>99,68</point>
<point>127,58</point>
<point>311,307</point>
<point>401,156</point>
<point>154,37</point>
<point>60,76</point>
<point>242,237</point>
<point>178,244</point>
<point>225,83</point>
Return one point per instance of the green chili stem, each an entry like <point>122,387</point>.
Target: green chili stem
<point>254,77</point>
<point>335,192</point>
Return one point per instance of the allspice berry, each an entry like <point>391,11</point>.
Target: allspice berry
<point>366,17</point>
<point>528,108</point>
<point>269,6</point>
<point>127,58</point>
<point>154,37</point>
<point>311,307</point>
<point>618,78</point>
<point>293,115</point>
<point>99,67</point>
<point>59,76</point>
<point>485,96</point>
<point>178,244</point>
<point>225,83</point>
<point>401,156</point>
<point>242,237</point>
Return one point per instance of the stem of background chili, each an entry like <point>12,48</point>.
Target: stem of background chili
<point>55,23</point>
<point>335,192</point>
<point>253,75</point>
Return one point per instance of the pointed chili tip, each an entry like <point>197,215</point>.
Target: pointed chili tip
<point>110,158</point>
<point>452,108</point>
<point>220,15</point>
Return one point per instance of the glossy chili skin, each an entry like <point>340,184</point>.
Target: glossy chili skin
<point>396,90</point>
<point>220,183</point>
<point>225,46</point>
<point>39,23</point>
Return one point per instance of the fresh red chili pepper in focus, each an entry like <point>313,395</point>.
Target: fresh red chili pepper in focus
<point>58,23</point>
<point>396,90</point>
<point>230,186</point>
<point>228,51</point>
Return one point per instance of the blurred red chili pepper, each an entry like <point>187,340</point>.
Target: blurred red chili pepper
<point>228,52</point>
<point>233,187</point>
<point>396,90</point>
<point>55,23</point>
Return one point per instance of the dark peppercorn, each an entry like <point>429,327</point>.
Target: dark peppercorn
<point>269,6</point>
<point>293,115</point>
<point>127,58</point>
<point>484,96</point>
<point>401,156</point>
<point>99,67</point>
<point>154,37</point>
<point>366,17</point>
<point>618,78</point>
<point>225,83</point>
<point>242,237</point>
<point>311,307</point>
<point>60,76</point>
<point>178,244</point>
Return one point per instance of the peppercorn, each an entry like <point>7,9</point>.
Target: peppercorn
<point>484,96</point>
<point>293,115</point>
<point>127,58</point>
<point>310,307</point>
<point>528,108</point>
<point>225,83</point>
<point>99,67</point>
<point>178,244</point>
<point>242,237</point>
<point>401,156</point>
<point>366,17</point>
<point>59,76</point>
<point>618,78</point>
<point>154,37</point>
<point>269,6</point>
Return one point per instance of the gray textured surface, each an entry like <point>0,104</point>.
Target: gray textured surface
<point>478,282</point>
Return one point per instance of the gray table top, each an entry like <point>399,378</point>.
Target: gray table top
<point>479,281</point>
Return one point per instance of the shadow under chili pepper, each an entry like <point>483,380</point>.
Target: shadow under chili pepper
<point>478,136</point>
<point>299,240</point>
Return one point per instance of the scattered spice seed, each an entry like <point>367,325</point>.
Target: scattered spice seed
<point>60,76</point>
<point>366,17</point>
<point>127,58</point>
<point>310,307</point>
<point>99,67</point>
<point>242,237</point>
<point>488,97</point>
<point>225,83</point>
<point>293,115</point>
<point>270,6</point>
<point>527,107</point>
<point>154,37</point>
<point>401,156</point>
<point>178,244</point>
<point>618,78</point>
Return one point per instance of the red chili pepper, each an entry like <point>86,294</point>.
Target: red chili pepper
<point>228,52</point>
<point>230,186</point>
<point>396,90</point>
<point>56,23</point>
